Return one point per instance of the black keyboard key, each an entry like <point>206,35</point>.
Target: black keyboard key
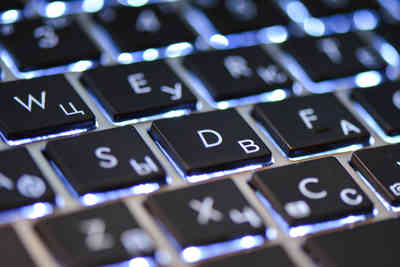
<point>210,142</point>
<point>140,28</point>
<point>383,104</point>
<point>96,236</point>
<point>274,256</point>
<point>312,192</point>
<point>310,124</point>
<point>14,252</point>
<point>237,73</point>
<point>236,16</point>
<point>41,107</point>
<point>205,214</point>
<point>36,44</point>
<point>323,8</point>
<point>380,166</point>
<point>139,90</point>
<point>118,153</point>
<point>333,57</point>
<point>21,182</point>
<point>369,245</point>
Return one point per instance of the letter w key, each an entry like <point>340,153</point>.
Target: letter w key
<point>41,107</point>
<point>210,142</point>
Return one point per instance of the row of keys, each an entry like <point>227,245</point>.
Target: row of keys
<point>339,56</point>
<point>205,216</point>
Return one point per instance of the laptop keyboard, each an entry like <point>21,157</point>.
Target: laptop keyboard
<point>199,133</point>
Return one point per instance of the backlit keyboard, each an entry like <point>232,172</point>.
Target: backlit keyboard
<point>199,133</point>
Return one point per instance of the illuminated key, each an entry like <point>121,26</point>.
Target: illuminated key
<point>97,236</point>
<point>40,108</point>
<point>310,124</point>
<point>206,214</point>
<point>312,193</point>
<point>41,46</point>
<point>213,143</point>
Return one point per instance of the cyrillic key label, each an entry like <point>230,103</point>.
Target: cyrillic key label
<point>210,142</point>
<point>46,106</point>
<point>105,160</point>
<point>312,192</point>
<point>205,214</point>
<point>97,236</point>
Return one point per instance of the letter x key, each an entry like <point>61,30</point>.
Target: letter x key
<point>206,214</point>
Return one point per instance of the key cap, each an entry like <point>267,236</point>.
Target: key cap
<point>310,124</point>
<point>237,73</point>
<point>312,192</point>
<point>205,214</point>
<point>275,256</point>
<point>139,90</point>
<point>36,44</point>
<point>210,142</point>
<point>236,16</point>
<point>140,28</point>
<point>21,182</point>
<point>380,166</point>
<point>40,107</point>
<point>383,104</point>
<point>323,8</point>
<point>333,57</point>
<point>89,162</point>
<point>96,236</point>
<point>13,251</point>
<point>368,245</point>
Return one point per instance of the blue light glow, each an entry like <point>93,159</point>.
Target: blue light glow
<point>10,16</point>
<point>274,34</point>
<point>296,11</point>
<point>92,6</point>
<point>90,199</point>
<point>135,262</point>
<point>343,149</point>
<point>165,115</point>
<point>368,79</point>
<point>384,202</point>
<point>314,26</point>
<point>197,253</point>
<point>170,51</point>
<point>78,66</point>
<point>372,123</point>
<point>33,211</point>
<point>337,24</point>
<point>302,230</point>
<point>44,137</point>
<point>55,9</point>
<point>365,20</point>
<point>206,176</point>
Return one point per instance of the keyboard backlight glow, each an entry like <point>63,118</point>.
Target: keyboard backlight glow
<point>368,79</point>
<point>56,9</point>
<point>92,6</point>
<point>197,253</point>
<point>365,20</point>
<point>314,26</point>
<point>10,16</point>
<point>297,11</point>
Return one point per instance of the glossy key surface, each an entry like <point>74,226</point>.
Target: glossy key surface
<point>139,90</point>
<point>206,213</point>
<point>106,160</point>
<point>40,107</point>
<point>237,73</point>
<point>208,142</point>
<point>312,192</point>
<point>310,124</point>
